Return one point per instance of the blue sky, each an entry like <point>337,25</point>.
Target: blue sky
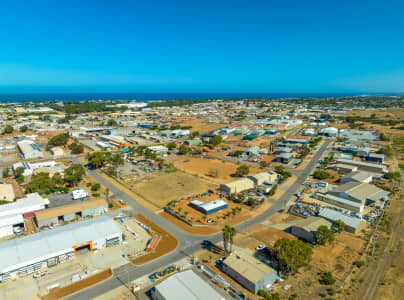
<point>202,46</point>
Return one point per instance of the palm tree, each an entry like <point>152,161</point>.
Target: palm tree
<point>107,194</point>
<point>226,237</point>
<point>232,232</point>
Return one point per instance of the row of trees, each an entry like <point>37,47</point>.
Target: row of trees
<point>44,184</point>
<point>99,159</point>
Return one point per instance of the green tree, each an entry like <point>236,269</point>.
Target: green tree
<point>95,187</point>
<point>321,175</point>
<point>183,149</point>
<point>290,255</point>
<point>216,140</point>
<point>74,174</point>
<point>6,172</point>
<point>107,194</point>
<point>273,190</point>
<point>384,137</point>
<point>117,160</point>
<point>327,278</point>
<point>96,159</point>
<point>242,170</point>
<point>76,148</point>
<point>19,171</point>
<point>228,238</point>
<point>237,153</point>
<point>339,226</point>
<point>57,179</point>
<point>324,235</point>
<point>111,122</point>
<point>111,171</point>
<point>41,183</point>
<point>8,129</point>
<point>171,145</point>
<point>23,128</point>
<point>58,140</point>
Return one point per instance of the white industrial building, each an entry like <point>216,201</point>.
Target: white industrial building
<point>29,168</point>
<point>12,214</point>
<point>48,248</point>
<point>185,286</point>
<point>29,149</point>
<point>208,208</point>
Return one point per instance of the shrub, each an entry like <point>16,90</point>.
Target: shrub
<point>327,279</point>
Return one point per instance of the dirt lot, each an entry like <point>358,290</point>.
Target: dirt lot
<point>260,234</point>
<point>162,188</point>
<point>201,125</point>
<point>166,244</point>
<point>17,189</point>
<point>215,170</point>
<point>59,293</point>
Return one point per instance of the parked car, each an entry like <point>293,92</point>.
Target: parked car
<point>155,275</point>
<point>260,247</point>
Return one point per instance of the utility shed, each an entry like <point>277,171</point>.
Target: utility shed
<point>247,270</point>
<point>185,286</point>
<point>70,212</point>
<point>237,186</point>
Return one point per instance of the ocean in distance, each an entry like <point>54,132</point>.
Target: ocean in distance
<point>152,96</point>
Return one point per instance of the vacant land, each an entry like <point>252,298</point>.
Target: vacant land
<point>160,189</point>
<point>201,125</point>
<point>216,170</point>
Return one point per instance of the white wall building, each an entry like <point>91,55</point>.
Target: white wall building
<point>29,149</point>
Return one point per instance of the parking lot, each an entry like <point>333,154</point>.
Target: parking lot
<point>60,199</point>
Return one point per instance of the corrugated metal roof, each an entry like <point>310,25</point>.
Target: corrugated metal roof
<point>68,209</point>
<point>334,215</point>
<point>35,247</point>
<point>187,286</point>
<point>244,263</point>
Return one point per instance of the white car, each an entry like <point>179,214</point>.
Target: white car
<point>260,247</point>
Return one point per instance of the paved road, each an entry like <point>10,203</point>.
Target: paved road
<point>188,244</point>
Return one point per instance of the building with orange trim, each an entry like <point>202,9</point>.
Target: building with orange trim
<point>39,251</point>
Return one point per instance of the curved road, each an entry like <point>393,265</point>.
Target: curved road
<point>187,243</point>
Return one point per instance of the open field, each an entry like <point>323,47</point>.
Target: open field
<point>201,125</point>
<point>162,188</point>
<point>216,170</point>
<point>166,244</point>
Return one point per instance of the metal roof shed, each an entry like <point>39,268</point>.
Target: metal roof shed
<point>185,286</point>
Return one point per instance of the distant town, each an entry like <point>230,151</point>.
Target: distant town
<point>256,198</point>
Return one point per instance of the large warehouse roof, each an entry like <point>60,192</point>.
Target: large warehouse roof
<point>36,247</point>
<point>187,286</point>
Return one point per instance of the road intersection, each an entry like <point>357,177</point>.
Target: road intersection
<point>187,243</point>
